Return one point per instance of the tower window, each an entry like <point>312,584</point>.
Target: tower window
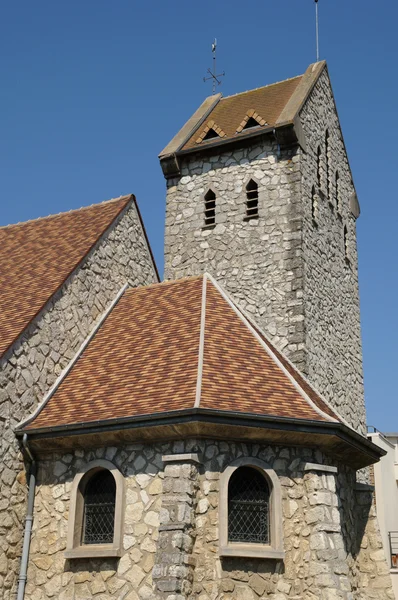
<point>327,149</point>
<point>251,200</point>
<point>337,192</point>
<point>251,123</point>
<point>210,208</point>
<point>318,166</point>
<point>211,134</point>
<point>99,509</point>
<point>314,204</point>
<point>248,507</point>
<point>346,247</point>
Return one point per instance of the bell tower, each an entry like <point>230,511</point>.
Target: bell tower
<point>260,194</point>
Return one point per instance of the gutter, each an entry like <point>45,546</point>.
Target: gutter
<point>28,520</point>
<point>221,417</point>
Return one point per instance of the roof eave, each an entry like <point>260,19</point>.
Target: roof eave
<point>333,437</point>
<point>287,134</point>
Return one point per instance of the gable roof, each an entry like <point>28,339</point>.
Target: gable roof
<point>176,346</point>
<point>36,257</point>
<point>276,105</point>
<point>267,101</point>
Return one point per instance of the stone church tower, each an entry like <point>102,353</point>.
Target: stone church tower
<point>260,194</point>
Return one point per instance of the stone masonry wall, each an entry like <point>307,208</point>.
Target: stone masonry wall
<point>331,296</point>
<point>332,550</point>
<point>257,261</point>
<point>288,272</point>
<point>31,366</point>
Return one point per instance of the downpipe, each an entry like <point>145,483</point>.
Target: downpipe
<point>28,520</point>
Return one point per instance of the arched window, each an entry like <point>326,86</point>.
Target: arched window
<point>210,208</point>
<point>318,166</point>
<point>314,204</point>
<point>327,150</point>
<point>99,508</point>
<point>251,200</point>
<point>250,510</point>
<point>95,525</point>
<point>248,507</point>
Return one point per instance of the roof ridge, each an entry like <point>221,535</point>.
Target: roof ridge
<point>201,348</point>
<point>261,87</point>
<point>165,282</point>
<point>67,212</point>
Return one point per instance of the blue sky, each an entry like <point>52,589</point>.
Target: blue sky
<point>92,91</point>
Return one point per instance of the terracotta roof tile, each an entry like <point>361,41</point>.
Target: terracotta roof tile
<point>266,103</point>
<point>37,256</point>
<point>145,359</point>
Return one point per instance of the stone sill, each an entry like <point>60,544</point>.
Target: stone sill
<point>252,551</point>
<point>394,570</point>
<point>93,551</point>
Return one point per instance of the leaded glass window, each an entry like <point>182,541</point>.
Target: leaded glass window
<point>248,507</point>
<point>99,508</point>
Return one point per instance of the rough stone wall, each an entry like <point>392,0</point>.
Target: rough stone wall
<point>331,296</point>
<point>332,550</point>
<point>50,575</point>
<point>257,261</point>
<point>31,366</point>
<point>328,549</point>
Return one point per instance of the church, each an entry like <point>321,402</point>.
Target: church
<point>203,437</point>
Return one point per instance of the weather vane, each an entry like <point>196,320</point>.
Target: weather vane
<point>213,74</point>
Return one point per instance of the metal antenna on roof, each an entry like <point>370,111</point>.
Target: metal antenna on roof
<point>213,74</point>
<point>317,30</point>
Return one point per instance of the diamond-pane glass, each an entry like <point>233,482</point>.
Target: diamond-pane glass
<point>99,509</point>
<point>248,507</point>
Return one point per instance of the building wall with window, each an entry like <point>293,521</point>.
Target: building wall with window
<point>33,363</point>
<point>292,266</point>
<point>172,527</point>
<point>386,490</point>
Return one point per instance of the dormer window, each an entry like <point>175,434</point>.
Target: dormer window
<point>252,119</point>
<point>251,200</point>
<point>210,209</point>
<point>251,123</point>
<point>211,134</point>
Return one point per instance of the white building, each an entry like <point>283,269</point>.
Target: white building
<point>386,487</point>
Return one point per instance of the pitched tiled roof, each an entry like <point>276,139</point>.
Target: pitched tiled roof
<point>174,346</point>
<point>36,257</point>
<point>266,103</point>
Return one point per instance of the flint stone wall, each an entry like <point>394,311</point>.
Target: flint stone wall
<point>331,538</point>
<point>288,273</point>
<point>33,363</point>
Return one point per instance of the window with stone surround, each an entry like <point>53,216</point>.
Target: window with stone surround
<point>210,209</point>
<point>250,512</point>
<point>96,512</point>
<point>251,200</point>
